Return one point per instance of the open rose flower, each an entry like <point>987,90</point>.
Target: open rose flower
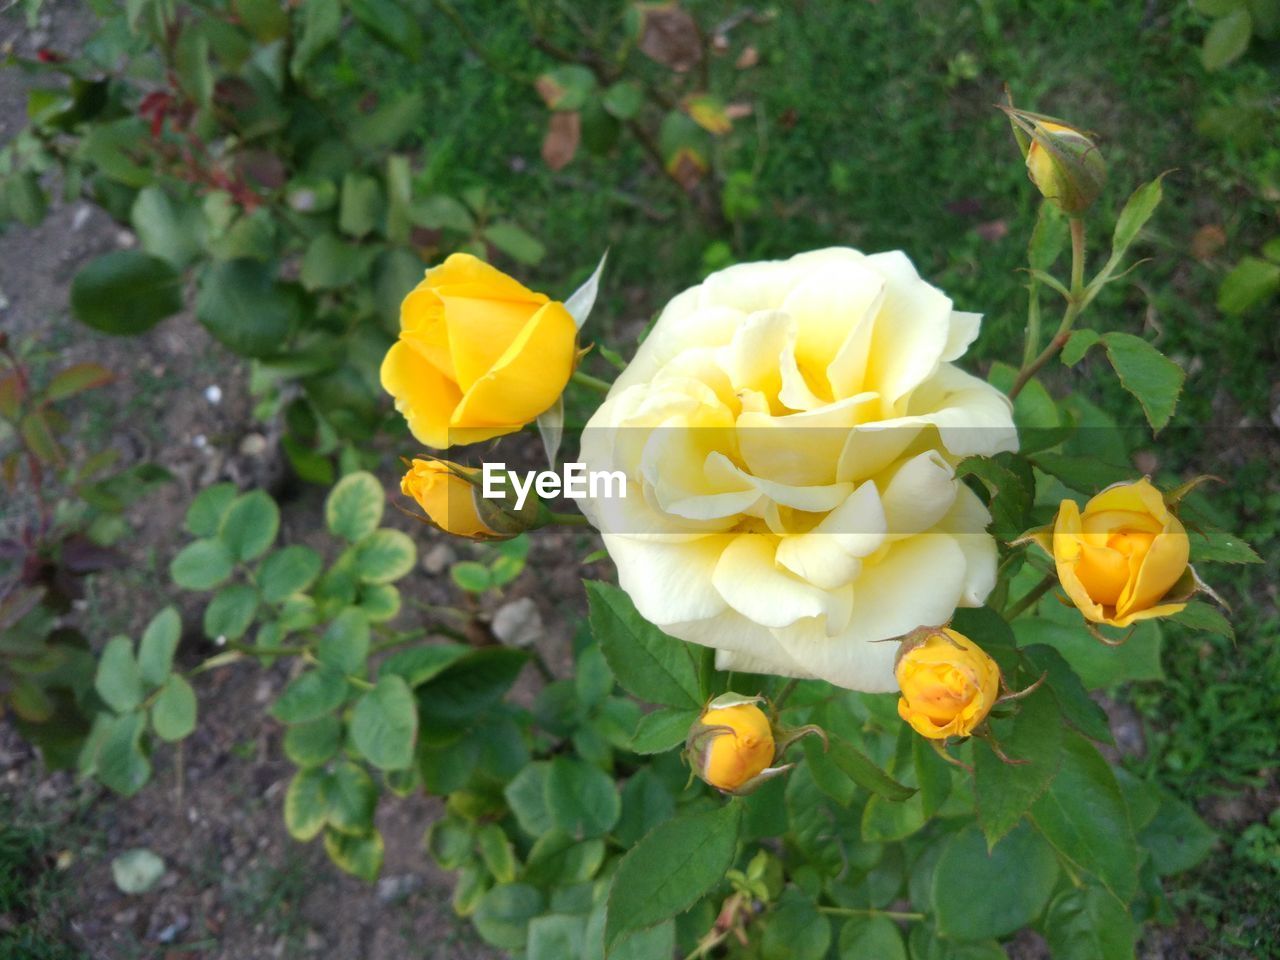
<point>1121,558</point>
<point>479,355</point>
<point>789,432</point>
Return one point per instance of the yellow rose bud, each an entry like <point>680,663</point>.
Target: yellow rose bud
<point>448,499</point>
<point>1065,166</point>
<point>730,746</point>
<point>479,355</point>
<point>948,684</point>
<point>1120,558</point>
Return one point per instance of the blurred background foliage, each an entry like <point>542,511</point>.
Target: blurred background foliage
<point>289,170</point>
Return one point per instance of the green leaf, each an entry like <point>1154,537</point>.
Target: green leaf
<point>159,642</point>
<point>390,123</point>
<point>567,87</point>
<point>417,665</point>
<point>1249,283</point>
<point>1011,486</point>
<point>647,662</point>
<point>671,869</point>
<point>379,602</point>
<point>173,715</point>
<point>120,763</point>
<point>1078,345</point>
<point>1201,617</point>
<point>471,685</point>
<point>171,232</point>
<point>230,612</point>
<point>361,206</point>
<point>384,556</point>
<point>201,565</point>
<point>663,729</point>
<point>581,798</point>
<point>126,292</point>
<point>354,506</point>
<point>1177,838</point>
<point>1227,39</point>
<point>1086,474</point>
<point>556,936</point>
<point>871,938</point>
<point>796,931</point>
<point>136,871</point>
<point>250,525</point>
<point>1142,203</point>
<point>242,305</point>
<point>1098,665</point>
<point>515,242</point>
<point>623,100</point>
<point>311,695</point>
<point>316,27</point>
<point>359,855</point>
<point>1021,867</point>
<point>391,24</point>
<point>557,860</point>
<point>503,916</point>
<point>1089,924</point>
<point>118,680</point>
<point>1148,374</point>
<point>345,643</point>
<point>205,514</point>
<point>1210,545</point>
<point>315,742</point>
<point>331,263</point>
<point>1078,708</point>
<point>353,796</point>
<point>1048,238</point>
<point>864,771</point>
<point>441,212</point>
<point>1004,791</point>
<point>497,853</point>
<point>384,725</point>
<point>288,571</point>
<point>471,576</point>
<point>1084,816</point>
<point>526,795</point>
<point>76,379</point>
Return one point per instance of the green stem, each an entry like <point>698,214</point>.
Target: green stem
<point>594,383</point>
<point>1074,305</point>
<point>570,520</point>
<point>856,912</point>
<point>1032,597</point>
<point>781,699</point>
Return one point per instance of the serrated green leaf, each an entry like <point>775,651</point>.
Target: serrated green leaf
<point>384,556</point>
<point>204,516</point>
<point>670,869</point>
<point>503,916</point>
<point>250,525</point>
<point>1021,867</point>
<point>1227,39</point>
<point>527,797</point>
<point>1005,791</point>
<point>310,696</point>
<point>126,292</point>
<point>344,645</point>
<point>1148,374</point>
<point>118,680</point>
<point>417,665</point>
<point>581,798</point>
<point>315,742</point>
<point>496,851</point>
<point>384,725</point>
<point>663,729</point>
<point>1249,283</point>
<point>353,797</point>
<point>1089,924</point>
<point>288,571</point>
<point>648,663</point>
<point>361,856</point>
<point>1176,836</point>
<point>119,761</point>
<point>1078,345</point>
<point>230,612</point>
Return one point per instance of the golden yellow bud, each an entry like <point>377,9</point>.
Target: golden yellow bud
<point>730,746</point>
<point>1119,559</point>
<point>447,498</point>
<point>1064,163</point>
<point>948,684</point>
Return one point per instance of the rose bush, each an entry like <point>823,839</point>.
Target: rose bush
<point>790,432</point>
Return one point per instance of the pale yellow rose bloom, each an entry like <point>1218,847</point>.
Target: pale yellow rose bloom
<point>789,431</point>
<point>948,685</point>
<point>738,746</point>
<point>1119,558</point>
<point>479,355</point>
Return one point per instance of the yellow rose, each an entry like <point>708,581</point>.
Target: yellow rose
<point>479,354</point>
<point>729,746</point>
<point>789,432</point>
<point>1119,558</point>
<point>1065,166</point>
<point>948,685</point>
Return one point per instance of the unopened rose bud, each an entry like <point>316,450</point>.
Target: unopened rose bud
<point>731,745</point>
<point>948,683</point>
<point>450,495</point>
<point>1064,164</point>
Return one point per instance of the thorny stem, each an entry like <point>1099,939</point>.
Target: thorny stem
<point>1031,597</point>
<point>1074,305</point>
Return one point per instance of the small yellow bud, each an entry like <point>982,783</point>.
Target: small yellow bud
<point>730,746</point>
<point>1064,163</point>
<point>948,684</point>
<point>448,496</point>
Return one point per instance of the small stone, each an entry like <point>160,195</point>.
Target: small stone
<point>312,942</point>
<point>438,559</point>
<point>213,393</point>
<point>125,239</point>
<point>397,888</point>
<point>80,218</point>
<point>199,441</point>
<point>518,623</point>
<point>253,445</point>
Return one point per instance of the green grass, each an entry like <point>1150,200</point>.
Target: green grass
<point>27,885</point>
